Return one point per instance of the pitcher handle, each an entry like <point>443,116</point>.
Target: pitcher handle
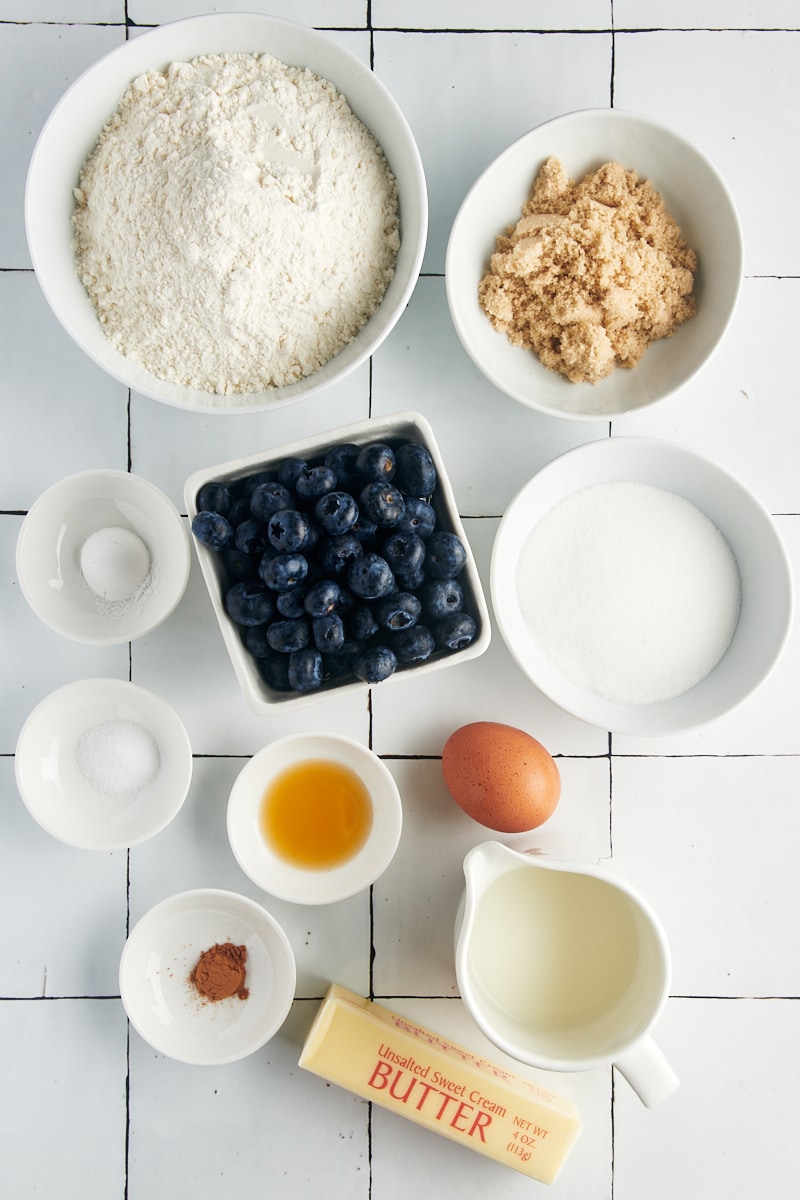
<point>648,1072</point>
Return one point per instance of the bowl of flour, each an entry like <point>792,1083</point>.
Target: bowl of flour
<point>227,213</point>
<point>640,586</point>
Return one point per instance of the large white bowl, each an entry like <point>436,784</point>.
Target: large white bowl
<point>259,860</point>
<point>64,801</point>
<point>160,954</point>
<point>76,122</point>
<point>49,552</point>
<point>765,614</point>
<point>694,194</point>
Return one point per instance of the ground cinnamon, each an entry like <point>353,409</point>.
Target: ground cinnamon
<point>220,972</point>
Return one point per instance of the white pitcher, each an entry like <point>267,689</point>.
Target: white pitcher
<point>563,966</point>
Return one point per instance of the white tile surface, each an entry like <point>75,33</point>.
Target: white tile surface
<point>706,824</point>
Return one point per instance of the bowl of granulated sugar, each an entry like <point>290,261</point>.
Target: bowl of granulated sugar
<point>640,586</point>
<point>595,265</point>
<point>227,213</point>
<point>103,764</point>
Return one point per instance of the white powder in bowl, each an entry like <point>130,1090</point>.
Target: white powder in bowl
<point>629,591</point>
<point>118,757</point>
<point>236,224</point>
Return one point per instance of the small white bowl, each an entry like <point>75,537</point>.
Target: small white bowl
<point>694,194</point>
<point>49,549</point>
<point>64,800</point>
<point>77,120</point>
<point>765,614</point>
<point>163,1005</point>
<point>274,874</point>
<point>404,426</point>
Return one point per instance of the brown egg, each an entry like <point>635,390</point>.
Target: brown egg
<point>501,776</point>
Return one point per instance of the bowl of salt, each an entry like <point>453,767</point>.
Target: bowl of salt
<point>103,557</point>
<point>103,764</point>
<point>641,587</point>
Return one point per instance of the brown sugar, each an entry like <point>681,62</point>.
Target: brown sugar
<point>591,273</point>
<point>220,972</point>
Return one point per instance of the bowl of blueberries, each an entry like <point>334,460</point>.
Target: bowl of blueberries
<point>337,563</point>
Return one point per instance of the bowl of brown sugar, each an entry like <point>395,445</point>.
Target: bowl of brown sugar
<point>595,266</point>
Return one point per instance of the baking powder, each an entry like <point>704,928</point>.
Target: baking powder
<point>236,224</point>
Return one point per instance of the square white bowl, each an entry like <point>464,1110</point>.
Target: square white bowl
<point>404,426</point>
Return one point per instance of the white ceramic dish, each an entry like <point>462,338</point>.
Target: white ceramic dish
<point>57,792</point>
<point>766,585</point>
<point>72,130</point>
<point>266,700</point>
<point>49,549</point>
<point>695,195</point>
<point>273,873</point>
<point>163,1005</point>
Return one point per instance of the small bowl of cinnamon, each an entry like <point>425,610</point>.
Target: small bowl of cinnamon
<point>207,977</point>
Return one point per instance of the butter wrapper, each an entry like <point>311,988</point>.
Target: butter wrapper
<point>409,1070</point>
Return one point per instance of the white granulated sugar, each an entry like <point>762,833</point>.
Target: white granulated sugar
<point>236,224</point>
<point>629,591</point>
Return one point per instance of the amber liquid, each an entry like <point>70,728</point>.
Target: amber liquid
<point>316,815</point>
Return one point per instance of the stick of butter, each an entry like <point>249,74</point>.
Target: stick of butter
<point>409,1070</point>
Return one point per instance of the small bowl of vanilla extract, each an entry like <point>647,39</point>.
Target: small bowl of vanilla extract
<point>314,818</point>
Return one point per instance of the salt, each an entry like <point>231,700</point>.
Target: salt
<point>629,591</point>
<point>118,757</point>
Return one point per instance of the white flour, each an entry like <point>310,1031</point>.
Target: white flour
<point>236,224</point>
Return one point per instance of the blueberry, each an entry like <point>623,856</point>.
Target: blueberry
<point>370,577</point>
<point>455,631</point>
<point>274,670</point>
<point>364,530</point>
<point>404,552</point>
<point>418,517</point>
<point>335,554</point>
<point>248,485</point>
<point>328,632</point>
<point>336,512</point>
<point>322,598</point>
<point>362,623</point>
<point>250,536</point>
<point>375,461</point>
<point>399,611</point>
<point>214,497</point>
<point>290,471</point>
<point>346,602</point>
<point>212,529</point>
<point>315,482</point>
<point>249,603</point>
<point>441,596</point>
<point>339,663</point>
<point>282,572</point>
<point>291,603</point>
<point>288,529</point>
<point>446,555</point>
<point>375,664</point>
<point>255,639</point>
<point>269,498</point>
<point>416,473</point>
<point>239,509</point>
<point>342,460</point>
<point>305,669</point>
<point>288,635</point>
<point>413,645</point>
<point>239,565</point>
<point>382,503</point>
<point>411,581</point>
